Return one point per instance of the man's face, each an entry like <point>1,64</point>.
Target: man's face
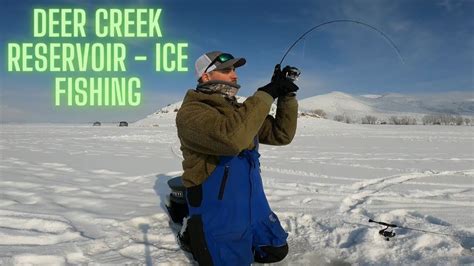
<point>227,74</point>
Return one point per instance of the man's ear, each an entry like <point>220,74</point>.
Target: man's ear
<point>205,77</point>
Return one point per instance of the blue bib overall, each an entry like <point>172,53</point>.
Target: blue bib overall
<point>233,212</point>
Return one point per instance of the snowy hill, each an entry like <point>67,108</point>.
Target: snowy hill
<point>166,115</point>
<point>336,103</point>
<point>392,104</point>
<point>358,106</point>
<point>163,117</point>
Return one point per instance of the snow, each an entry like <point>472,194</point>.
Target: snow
<point>371,96</point>
<point>335,103</point>
<point>77,194</point>
<point>391,104</point>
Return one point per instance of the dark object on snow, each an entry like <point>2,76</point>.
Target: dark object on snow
<point>123,124</point>
<point>382,223</point>
<point>386,232</point>
<point>184,241</point>
<point>96,123</point>
<point>177,207</point>
<point>270,254</point>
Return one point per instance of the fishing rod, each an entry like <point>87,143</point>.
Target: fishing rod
<point>345,21</point>
<point>387,233</point>
<point>293,73</point>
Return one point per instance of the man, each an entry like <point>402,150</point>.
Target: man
<point>230,221</point>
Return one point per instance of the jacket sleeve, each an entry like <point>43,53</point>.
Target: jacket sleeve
<point>281,129</point>
<point>222,131</point>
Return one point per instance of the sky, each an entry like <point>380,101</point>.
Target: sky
<point>435,39</point>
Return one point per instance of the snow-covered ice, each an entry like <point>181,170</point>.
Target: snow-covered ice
<point>81,194</point>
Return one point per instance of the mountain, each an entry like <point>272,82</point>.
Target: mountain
<point>335,103</point>
<point>358,106</point>
<point>166,115</point>
<point>391,104</point>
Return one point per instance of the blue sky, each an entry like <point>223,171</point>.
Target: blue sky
<point>436,40</point>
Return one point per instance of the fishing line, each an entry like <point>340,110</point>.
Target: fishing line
<point>416,229</point>
<point>347,21</point>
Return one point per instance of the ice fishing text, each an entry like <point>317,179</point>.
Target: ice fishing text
<point>93,72</point>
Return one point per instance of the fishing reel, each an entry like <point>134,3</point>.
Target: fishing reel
<point>386,233</point>
<point>291,73</point>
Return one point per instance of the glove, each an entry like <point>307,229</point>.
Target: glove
<point>277,74</point>
<point>280,85</point>
<point>272,88</point>
<point>287,85</point>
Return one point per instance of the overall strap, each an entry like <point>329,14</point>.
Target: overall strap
<point>255,142</point>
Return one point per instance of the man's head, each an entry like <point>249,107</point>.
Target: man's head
<point>217,65</point>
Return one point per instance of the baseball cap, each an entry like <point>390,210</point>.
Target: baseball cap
<point>216,60</point>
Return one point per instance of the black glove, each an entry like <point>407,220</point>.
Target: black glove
<point>272,88</point>
<point>277,74</point>
<point>280,85</point>
<point>286,85</point>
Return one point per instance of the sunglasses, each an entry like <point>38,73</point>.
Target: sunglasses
<point>221,59</point>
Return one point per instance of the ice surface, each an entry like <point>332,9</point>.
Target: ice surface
<point>82,194</point>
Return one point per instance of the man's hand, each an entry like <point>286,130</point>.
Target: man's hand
<point>277,74</point>
<point>280,77</point>
<point>280,84</point>
<point>271,88</point>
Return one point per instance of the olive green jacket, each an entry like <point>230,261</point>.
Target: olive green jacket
<point>210,126</point>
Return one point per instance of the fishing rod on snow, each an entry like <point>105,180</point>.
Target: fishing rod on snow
<point>387,233</point>
<point>292,73</point>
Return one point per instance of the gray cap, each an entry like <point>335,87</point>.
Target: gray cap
<point>203,63</point>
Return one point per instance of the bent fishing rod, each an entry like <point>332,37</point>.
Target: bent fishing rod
<point>293,73</point>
